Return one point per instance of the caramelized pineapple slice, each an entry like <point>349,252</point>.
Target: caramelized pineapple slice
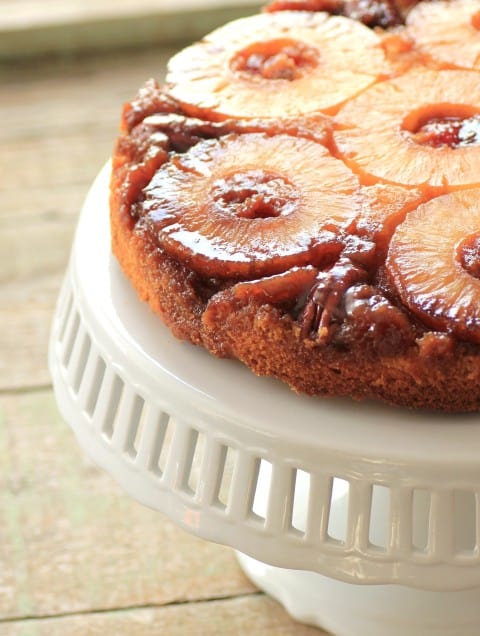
<point>434,263</point>
<point>421,129</point>
<point>250,205</point>
<point>276,65</point>
<point>448,32</point>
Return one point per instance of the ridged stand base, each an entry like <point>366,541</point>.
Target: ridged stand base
<point>347,609</point>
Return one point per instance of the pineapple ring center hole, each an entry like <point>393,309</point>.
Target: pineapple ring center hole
<point>254,194</point>
<point>468,254</point>
<point>281,59</point>
<point>443,125</point>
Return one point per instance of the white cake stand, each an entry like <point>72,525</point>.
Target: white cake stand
<point>359,518</point>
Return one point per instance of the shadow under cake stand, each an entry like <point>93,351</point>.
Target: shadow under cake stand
<point>359,518</point>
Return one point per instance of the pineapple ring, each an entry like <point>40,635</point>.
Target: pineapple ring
<point>448,32</point>
<point>318,62</point>
<point>250,205</point>
<point>432,260</point>
<point>376,131</point>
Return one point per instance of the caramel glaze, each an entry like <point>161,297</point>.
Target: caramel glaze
<point>154,127</point>
<point>348,303</point>
<point>372,13</point>
<point>281,59</point>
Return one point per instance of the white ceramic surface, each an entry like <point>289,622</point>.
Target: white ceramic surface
<point>346,609</point>
<point>362,493</point>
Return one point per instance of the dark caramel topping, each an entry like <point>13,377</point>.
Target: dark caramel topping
<point>366,300</point>
<point>254,194</point>
<point>184,132</point>
<point>324,305</point>
<point>289,287</point>
<point>370,315</point>
<point>151,99</point>
<point>453,132</point>
<point>330,6</point>
<point>282,59</point>
<point>374,13</point>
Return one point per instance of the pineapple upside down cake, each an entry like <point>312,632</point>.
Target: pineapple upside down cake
<point>303,194</point>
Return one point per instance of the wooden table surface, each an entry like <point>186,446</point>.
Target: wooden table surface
<point>77,556</point>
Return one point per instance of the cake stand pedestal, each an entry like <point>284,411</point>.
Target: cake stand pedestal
<point>359,518</point>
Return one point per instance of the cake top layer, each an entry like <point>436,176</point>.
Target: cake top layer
<point>314,167</point>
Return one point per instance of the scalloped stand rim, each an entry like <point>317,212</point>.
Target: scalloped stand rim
<point>164,419</point>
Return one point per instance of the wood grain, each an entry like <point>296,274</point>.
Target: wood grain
<point>72,542</point>
<point>49,157</point>
<point>30,28</point>
<point>256,615</point>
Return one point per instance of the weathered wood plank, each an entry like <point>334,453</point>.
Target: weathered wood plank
<point>26,309</point>
<point>49,157</point>
<point>256,615</point>
<point>43,203</point>
<point>71,541</point>
<point>53,26</point>
<point>26,13</point>
<point>51,162</point>
<point>76,96</point>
